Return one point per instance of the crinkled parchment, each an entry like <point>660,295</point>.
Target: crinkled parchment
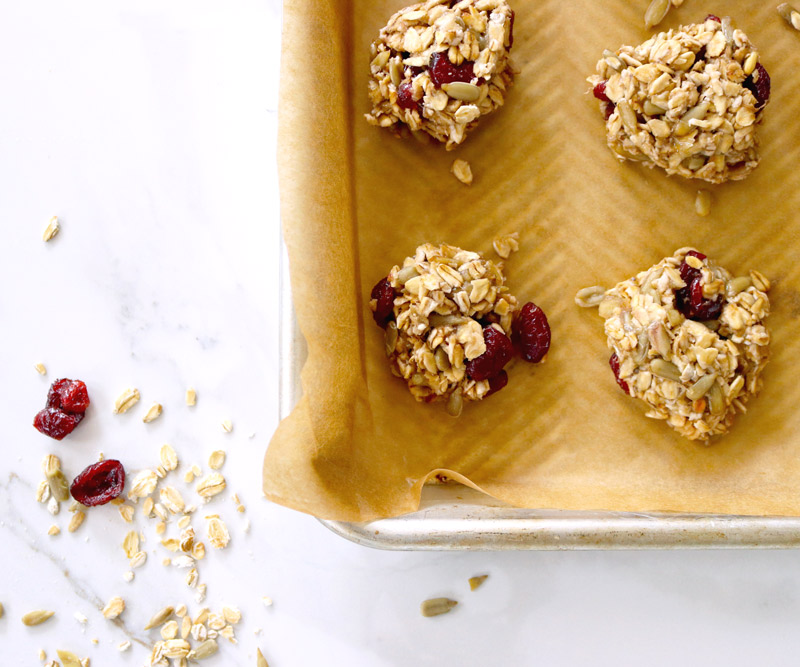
<point>355,200</point>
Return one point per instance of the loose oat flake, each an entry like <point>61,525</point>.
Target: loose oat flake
<point>41,369</point>
<point>153,413</point>
<point>462,171</point>
<point>126,400</point>
<point>191,397</point>
<point>114,608</point>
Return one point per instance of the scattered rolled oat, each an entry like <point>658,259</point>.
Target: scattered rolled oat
<point>124,646</point>
<point>462,171</point>
<point>789,13</point>
<point>689,340</point>
<point>505,245</point>
<point>218,533</point>
<point>43,492</point>
<point>216,460</point>
<point>169,457</point>
<point>261,661</point>
<point>211,485</point>
<point>131,543</point>
<point>143,484</point>
<point>41,369</point>
<point>53,530</point>
<point>153,413</point>
<point>37,617</point>
<point>191,397</point>
<point>688,100</point>
<point>437,606</point>
<point>227,425</point>
<point>702,204</point>
<point>477,582</point>
<point>126,512</point>
<point>138,559</point>
<point>171,499</point>
<point>114,608</point>
<point>231,615</point>
<point>126,400</point>
<point>53,227</point>
<point>438,67</point>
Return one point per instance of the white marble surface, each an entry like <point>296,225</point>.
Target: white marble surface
<point>149,128</point>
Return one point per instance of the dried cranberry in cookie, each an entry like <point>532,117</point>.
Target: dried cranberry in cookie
<point>688,339</point>
<point>439,66</point>
<point>688,100</point>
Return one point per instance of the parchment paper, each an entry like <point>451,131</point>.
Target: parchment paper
<point>355,200</point>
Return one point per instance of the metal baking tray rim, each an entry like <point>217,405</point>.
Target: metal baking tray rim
<point>454,517</point>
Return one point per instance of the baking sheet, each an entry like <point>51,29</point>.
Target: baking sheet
<point>355,201</point>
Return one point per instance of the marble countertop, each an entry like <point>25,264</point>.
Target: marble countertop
<point>149,129</point>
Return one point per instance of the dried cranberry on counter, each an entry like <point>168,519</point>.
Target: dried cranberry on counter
<point>68,395</point>
<point>56,423</point>
<point>67,401</point>
<point>383,293</point>
<point>712,17</point>
<point>499,350</point>
<point>99,484</point>
<point>614,363</point>
<point>531,333</point>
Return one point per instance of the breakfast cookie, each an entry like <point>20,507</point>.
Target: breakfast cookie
<point>688,101</point>
<point>689,340</point>
<point>439,66</point>
<point>452,325</point>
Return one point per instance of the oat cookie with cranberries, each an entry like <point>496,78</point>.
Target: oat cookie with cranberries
<point>688,339</point>
<point>451,325</point>
<point>688,101</point>
<point>439,66</point>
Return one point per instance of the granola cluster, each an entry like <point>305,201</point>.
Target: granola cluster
<point>438,66</point>
<point>440,294</point>
<point>694,374</point>
<point>688,100</point>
